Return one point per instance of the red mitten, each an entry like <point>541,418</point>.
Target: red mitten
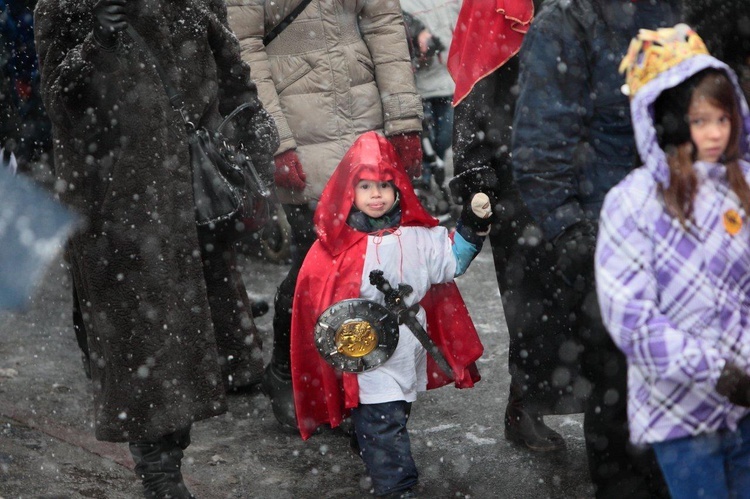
<point>409,148</point>
<point>289,174</point>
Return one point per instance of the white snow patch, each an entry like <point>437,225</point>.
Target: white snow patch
<point>571,422</point>
<point>479,440</point>
<point>438,428</point>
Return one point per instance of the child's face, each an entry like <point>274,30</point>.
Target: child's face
<point>710,128</point>
<point>374,199</point>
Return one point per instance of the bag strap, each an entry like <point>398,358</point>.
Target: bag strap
<point>175,97</point>
<point>231,115</point>
<point>285,22</point>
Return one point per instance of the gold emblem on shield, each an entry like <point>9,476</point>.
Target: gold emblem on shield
<point>356,335</point>
<point>356,339</point>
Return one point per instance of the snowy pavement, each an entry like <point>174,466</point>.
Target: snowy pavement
<point>47,448</point>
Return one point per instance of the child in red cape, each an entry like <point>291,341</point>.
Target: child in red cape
<point>369,218</point>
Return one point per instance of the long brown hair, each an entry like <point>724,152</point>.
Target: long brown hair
<point>715,87</point>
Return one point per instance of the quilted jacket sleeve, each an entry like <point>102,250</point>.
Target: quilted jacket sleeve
<point>247,20</point>
<point>382,28</point>
<point>256,130</point>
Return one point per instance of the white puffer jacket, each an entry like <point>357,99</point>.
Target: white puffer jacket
<point>340,69</point>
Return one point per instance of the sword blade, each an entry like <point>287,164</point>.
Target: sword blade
<point>408,320</point>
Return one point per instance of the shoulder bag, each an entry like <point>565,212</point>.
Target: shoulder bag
<point>230,197</point>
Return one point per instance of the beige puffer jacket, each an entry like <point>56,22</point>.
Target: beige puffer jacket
<point>339,70</point>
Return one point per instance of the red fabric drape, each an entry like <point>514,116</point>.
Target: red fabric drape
<point>487,34</point>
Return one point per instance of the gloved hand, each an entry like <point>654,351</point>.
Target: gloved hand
<point>409,149</point>
<point>477,214</point>
<point>429,45</point>
<point>476,219</point>
<point>575,256</point>
<point>289,174</point>
<point>109,19</point>
<point>735,385</point>
<point>477,179</point>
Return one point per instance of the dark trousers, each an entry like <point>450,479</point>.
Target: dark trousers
<point>237,340</point>
<point>617,468</point>
<point>438,115</point>
<point>300,218</point>
<point>543,357</point>
<point>384,445</point>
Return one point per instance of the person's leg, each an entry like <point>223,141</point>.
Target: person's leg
<point>158,464</point>
<point>438,130</point>
<point>617,468</point>
<point>442,120</point>
<point>695,466</point>
<point>237,340</point>
<point>277,382</point>
<point>533,353</point>
<point>385,447</point>
<point>738,461</point>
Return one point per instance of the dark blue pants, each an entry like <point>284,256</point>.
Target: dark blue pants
<point>384,445</point>
<point>438,112</point>
<point>715,465</point>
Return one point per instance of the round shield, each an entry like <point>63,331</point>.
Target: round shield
<point>356,335</point>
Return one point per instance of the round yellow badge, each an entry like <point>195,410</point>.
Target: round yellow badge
<point>732,222</point>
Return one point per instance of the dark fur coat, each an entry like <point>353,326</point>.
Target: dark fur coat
<point>158,344</point>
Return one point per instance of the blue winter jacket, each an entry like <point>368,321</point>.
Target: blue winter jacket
<point>572,135</point>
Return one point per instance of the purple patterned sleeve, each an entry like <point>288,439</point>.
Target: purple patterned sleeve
<point>629,296</point>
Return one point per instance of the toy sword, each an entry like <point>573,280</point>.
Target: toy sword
<point>394,302</point>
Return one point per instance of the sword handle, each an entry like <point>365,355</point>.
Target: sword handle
<point>394,298</point>
<point>380,282</point>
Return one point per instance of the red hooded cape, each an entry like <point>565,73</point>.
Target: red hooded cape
<point>332,271</point>
<point>488,33</point>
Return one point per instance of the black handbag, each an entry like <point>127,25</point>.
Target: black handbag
<point>230,197</point>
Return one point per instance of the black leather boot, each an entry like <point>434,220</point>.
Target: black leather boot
<point>526,427</point>
<point>258,308</point>
<point>158,464</point>
<point>277,385</point>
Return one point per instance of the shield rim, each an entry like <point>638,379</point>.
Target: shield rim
<point>383,321</point>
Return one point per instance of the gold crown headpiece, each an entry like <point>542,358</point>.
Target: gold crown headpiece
<point>652,52</point>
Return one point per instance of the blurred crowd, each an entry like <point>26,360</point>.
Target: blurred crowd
<point>530,102</point>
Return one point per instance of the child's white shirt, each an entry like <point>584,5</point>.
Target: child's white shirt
<point>419,257</point>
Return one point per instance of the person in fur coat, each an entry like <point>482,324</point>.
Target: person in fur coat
<point>166,313</point>
<point>370,219</point>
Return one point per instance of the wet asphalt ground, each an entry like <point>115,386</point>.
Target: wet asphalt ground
<point>47,448</point>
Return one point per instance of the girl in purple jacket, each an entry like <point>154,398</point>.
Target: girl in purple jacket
<point>673,265</point>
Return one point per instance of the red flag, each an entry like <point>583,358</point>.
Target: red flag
<point>488,33</point>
